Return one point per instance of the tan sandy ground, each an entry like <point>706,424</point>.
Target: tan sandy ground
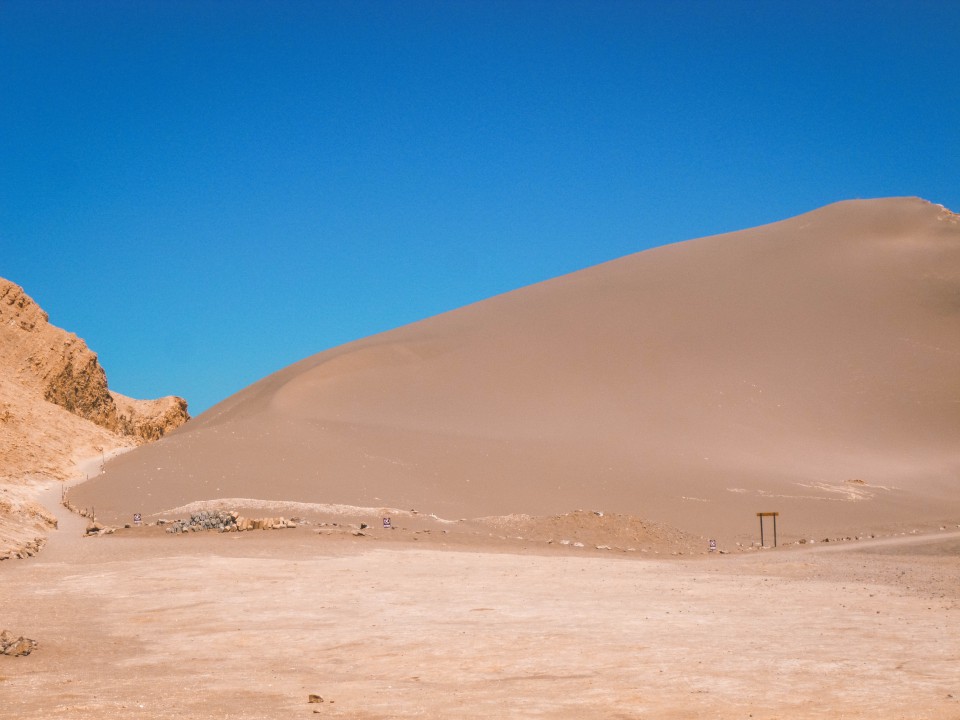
<point>147,625</point>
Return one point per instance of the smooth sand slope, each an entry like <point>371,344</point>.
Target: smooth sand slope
<point>811,366</point>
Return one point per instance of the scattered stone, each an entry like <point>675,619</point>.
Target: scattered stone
<point>314,698</point>
<point>96,528</point>
<point>16,646</point>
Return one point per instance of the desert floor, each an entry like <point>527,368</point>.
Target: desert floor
<point>149,625</point>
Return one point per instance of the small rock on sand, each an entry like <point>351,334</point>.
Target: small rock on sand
<point>16,646</point>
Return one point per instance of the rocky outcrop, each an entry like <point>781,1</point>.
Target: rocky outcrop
<point>79,385</point>
<point>149,420</point>
<point>12,645</point>
<point>60,367</point>
<point>56,364</point>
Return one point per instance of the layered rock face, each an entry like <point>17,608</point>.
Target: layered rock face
<point>55,411</point>
<point>60,367</point>
<point>149,420</point>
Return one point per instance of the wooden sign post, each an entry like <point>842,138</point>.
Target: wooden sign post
<point>762,515</point>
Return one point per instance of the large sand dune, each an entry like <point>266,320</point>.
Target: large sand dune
<point>811,366</point>
<point>691,385</point>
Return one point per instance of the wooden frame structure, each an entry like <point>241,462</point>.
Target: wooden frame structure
<point>762,515</point>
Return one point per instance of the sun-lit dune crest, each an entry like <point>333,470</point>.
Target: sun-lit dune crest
<point>779,362</point>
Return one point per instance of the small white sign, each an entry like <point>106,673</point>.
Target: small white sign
<point>386,524</point>
<point>137,519</point>
<point>713,546</point>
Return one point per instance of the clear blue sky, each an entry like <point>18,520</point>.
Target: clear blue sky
<point>209,191</point>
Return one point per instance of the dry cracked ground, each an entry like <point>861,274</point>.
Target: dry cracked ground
<point>250,625</point>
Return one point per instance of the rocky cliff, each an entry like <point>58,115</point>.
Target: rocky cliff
<point>149,420</point>
<point>56,411</point>
<point>59,368</point>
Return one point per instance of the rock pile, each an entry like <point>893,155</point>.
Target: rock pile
<point>204,520</point>
<point>265,523</point>
<point>27,548</point>
<point>223,521</point>
<point>96,528</point>
<point>11,645</point>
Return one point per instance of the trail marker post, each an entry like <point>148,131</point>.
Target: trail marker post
<point>762,515</point>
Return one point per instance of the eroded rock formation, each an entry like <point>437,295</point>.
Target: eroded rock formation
<point>55,411</point>
<point>63,370</point>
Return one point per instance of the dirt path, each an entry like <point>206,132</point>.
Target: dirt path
<point>901,543</point>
